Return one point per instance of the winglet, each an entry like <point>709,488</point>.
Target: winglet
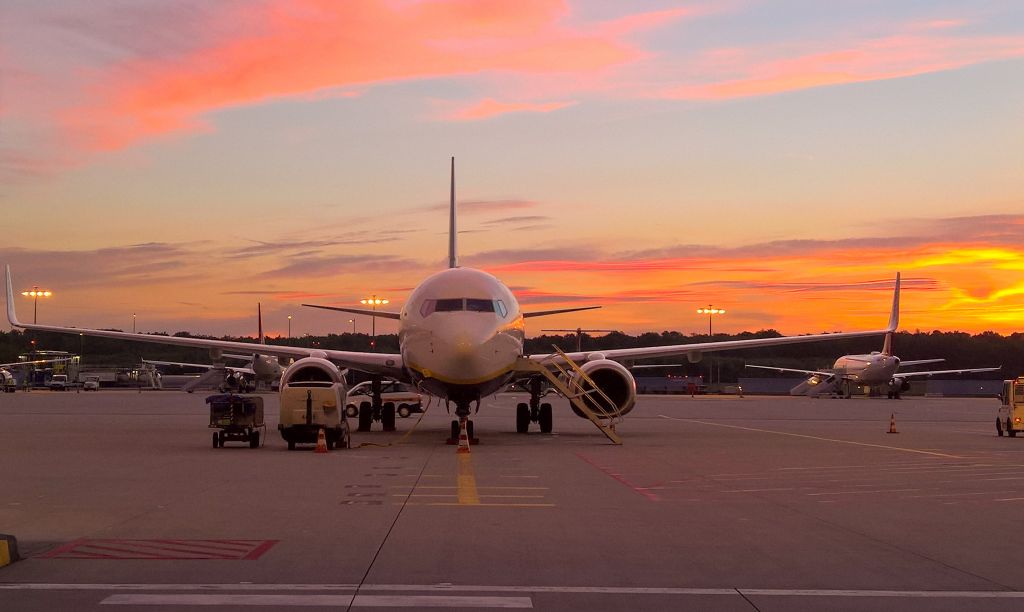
<point>894,316</point>
<point>12,317</point>
<point>453,256</point>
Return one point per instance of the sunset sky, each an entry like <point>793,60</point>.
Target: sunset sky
<point>183,160</point>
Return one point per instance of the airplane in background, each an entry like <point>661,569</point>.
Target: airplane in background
<point>875,369</point>
<point>461,334</point>
<point>261,369</point>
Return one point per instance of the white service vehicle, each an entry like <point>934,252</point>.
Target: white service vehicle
<point>404,398</point>
<point>1011,408</point>
<point>313,398</point>
<point>92,383</point>
<point>58,382</point>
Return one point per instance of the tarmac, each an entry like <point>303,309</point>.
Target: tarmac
<point>119,501</point>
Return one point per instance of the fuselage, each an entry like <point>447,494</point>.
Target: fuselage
<point>872,369</point>
<point>460,334</point>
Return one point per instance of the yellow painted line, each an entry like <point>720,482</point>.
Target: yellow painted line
<point>468,495</point>
<point>796,435</point>
<point>481,487</point>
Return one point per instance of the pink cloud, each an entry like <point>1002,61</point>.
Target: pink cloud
<point>307,47</point>
<point>489,107</point>
<point>901,55</point>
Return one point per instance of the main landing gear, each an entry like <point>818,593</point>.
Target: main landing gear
<point>376,410</point>
<point>462,411</point>
<point>535,411</point>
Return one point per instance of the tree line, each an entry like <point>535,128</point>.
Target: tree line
<point>959,349</point>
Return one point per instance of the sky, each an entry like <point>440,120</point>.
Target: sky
<point>182,160</point>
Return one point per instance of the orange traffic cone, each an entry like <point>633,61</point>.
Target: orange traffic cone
<point>321,441</point>
<point>892,424</point>
<point>463,437</point>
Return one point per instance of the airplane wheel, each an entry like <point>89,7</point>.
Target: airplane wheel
<point>291,445</point>
<point>351,411</point>
<point>999,428</point>
<point>1010,431</point>
<point>365,416</point>
<point>522,418</point>
<point>216,439</point>
<point>546,419</point>
<point>403,411</point>
<point>469,430</point>
<point>387,416</point>
<point>254,439</point>
<point>455,431</point>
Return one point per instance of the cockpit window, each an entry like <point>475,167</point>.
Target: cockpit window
<point>429,307</point>
<point>475,305</point>
<point>449,305</point>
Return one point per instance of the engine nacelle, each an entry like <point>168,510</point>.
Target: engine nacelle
<point>312,399</point>
<point>899,384</point>
<point>615,381</point>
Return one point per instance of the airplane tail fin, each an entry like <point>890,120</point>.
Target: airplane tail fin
<point>887,345</point>
<point>12,317</point>
<point>453,256</point>
<point>894,316</point>
<point>259,319</point>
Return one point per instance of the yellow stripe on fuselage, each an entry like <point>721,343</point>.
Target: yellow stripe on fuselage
<point>428,373</point>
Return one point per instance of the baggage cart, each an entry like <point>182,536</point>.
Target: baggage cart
<point>237,418</point>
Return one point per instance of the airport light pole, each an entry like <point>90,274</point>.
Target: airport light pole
<point>35,294</point>
<point>353,322</point>
<point>289,329</point>
<point>711,311</point>
<point>133,322</point>
<point>373,302</point>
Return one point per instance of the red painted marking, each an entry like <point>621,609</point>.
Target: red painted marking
<point>228,550</point>
<point>607,471</point>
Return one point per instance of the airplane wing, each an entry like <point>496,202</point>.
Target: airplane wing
<point>359,311</point>
<point>385,364</point>
<point>205,366</point>
<point>794,370</point>
<point>34,362</point>
<point>920,362</point>
<point>544,313</point>
<point>902,375</point>
<point>696,350</point>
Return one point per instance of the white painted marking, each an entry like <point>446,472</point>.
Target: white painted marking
<point>755,490</point>
<point>796,435</point>
<point>470,588</point>
<point>358,601</point>
<point>860,492</point>
<point>1011,499</point>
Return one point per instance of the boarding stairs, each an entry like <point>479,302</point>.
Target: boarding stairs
<point>573,383</point>
<point>817,385</point>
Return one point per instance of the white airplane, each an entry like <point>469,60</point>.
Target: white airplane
<point>461,334</point>
<point>260,368</point>
<point>875,369</point>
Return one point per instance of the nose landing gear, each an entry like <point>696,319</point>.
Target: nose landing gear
<point>462,411</point>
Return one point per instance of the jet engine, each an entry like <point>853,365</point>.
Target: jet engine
<point>614,380</point>
<point>899,385</point>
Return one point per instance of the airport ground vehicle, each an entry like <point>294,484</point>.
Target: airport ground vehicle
<point>237,418</point>
<point>58,382</point>
<point>92,383</point>
<point>7,382</point>
<point>1011,408</point>
<point>313,398</point>
<point>403,397</point>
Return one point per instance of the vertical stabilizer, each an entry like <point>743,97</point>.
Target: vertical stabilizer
<point>894,316</point>
<point>887,345</point>
<point>259,319</point>
<point>453,254</point>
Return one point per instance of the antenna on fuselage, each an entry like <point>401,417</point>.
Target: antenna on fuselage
<point>453,257</point>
